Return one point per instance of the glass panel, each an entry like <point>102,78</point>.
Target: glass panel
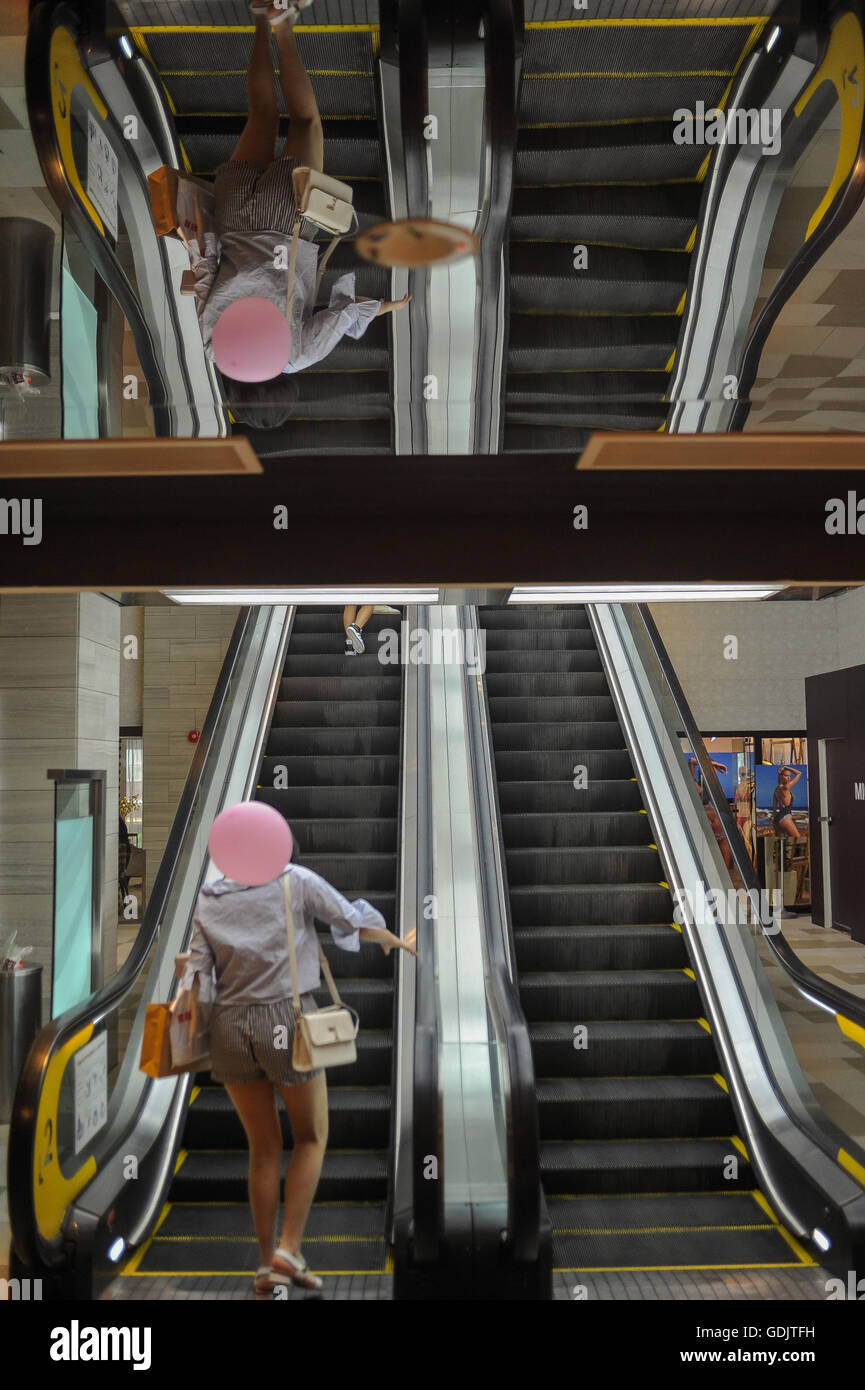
<point>73,897</point>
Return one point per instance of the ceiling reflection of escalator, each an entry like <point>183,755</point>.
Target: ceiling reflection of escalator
<point>345,401</point>
<point>593,338</point>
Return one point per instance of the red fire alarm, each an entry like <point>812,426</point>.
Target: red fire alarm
<point>194,735</point>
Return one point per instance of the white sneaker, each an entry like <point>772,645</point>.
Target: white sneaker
<point>353,634</point>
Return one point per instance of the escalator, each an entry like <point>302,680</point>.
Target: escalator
<point>331,766</point>
<point>593,340</point>
<point>345,402</point>
<point>641,1161</point>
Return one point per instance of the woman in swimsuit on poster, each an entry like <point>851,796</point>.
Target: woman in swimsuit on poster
<point>782,803</point>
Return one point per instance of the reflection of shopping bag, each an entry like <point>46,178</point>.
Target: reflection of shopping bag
<point>155,1048</point>
<point>189,1031</point>
<point>182,205</point>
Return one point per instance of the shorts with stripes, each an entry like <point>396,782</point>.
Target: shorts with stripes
<point>251,199</point>
<point>253,1042</point>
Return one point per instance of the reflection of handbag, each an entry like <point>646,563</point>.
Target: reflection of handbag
<point>327,203</point>
<point>325,1038</point>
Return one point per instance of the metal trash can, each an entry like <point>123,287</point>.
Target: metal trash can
<point>26,263</point>
<point>20,1021</point>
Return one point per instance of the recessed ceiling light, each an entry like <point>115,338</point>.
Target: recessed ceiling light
<point>358,594</point>
<point>641,593</point>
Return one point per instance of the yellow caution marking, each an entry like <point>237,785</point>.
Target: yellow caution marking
<point>656,1230</point>
<point>737,1144</point>
<point>704,1023</point>
<point>681,305</point>
<point>704,168</point>
<point>162,1215</point>
<point>845,53</point>
<point>659,1269</point>
<point>179,1161</point>
<point>676,926</point>
<point>721,1082</point>
<point>741,21</point>
<point>799,1251</point>
<point>669,366</point>
<point>687,971</point>
<point>692,239</point>
<point>854,1031</point>
<point>622,76</point>
<point>856,1170</point>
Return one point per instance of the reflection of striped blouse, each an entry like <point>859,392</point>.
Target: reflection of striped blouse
<point>241,933</point>
<point>243,263</point>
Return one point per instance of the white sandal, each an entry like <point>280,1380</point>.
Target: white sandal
<point>261,1272</point>
<point>301,1268</point>
<point>291,12</point>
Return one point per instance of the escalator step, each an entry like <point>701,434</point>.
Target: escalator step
<point>377,835</point>
<point>584,995</point>
<point>689,1248</point>
<point>576,865</point>
<point>644,1107</point>
<point>355,872</point>
<point>529,660</point>
<point>530,616</point>
<point>517,796</point>
<point>360,435</point>
<point>334,771</point>
<point>317,801</point>
<point>640,946</point>
<point>211,52</point>
<point>360,742</point>
<point>547,390</point>
<point>545,705</point>
<point>642,1165</point>
<point>563,342</point>
<point>326,1255</point>
<point>603,734</point>
<point>597,98</point>
<point>575,830</point>
<point>350,395</point>
<point>336,714</point>
<point>372,681</point>
<point>654,218</point>
<point>615,280</point>
<point>625,49</point>
<point>222,1177</point>
<point>605,764</point>
<point>325,1219</point>
<point>646,1047</point>
<point>351,148</point>
<point>348,96</point>
<point>357,1115</point>
<point>518,683</point>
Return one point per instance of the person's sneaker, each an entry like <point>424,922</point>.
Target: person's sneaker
<point>349,649</point>
<point>353,634</point>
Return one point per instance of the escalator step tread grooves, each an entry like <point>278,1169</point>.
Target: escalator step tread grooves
<point>636,1126</point>
<point>346,1231</point>
<point>597,165</point>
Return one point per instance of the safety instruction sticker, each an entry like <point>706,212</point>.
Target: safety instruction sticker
<point>91,1090</point>
<point>101,174</point>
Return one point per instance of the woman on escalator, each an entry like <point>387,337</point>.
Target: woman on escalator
<point>246,258</point>
<point>241,934</point>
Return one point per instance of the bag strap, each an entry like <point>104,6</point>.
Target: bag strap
<point>322,265</point>
<point>289,922</point>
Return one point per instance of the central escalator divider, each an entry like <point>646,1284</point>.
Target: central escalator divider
<point>604,217</point>
<point>345,402</point>
<point>331,767</point>
<point>640,1159</point>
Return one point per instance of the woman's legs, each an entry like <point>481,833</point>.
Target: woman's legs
<point>788,825</point>
<point>255,1103</point>
<point>258,140</point>
<point>349,613</point>
<point>363,616</point>
<point>307,1110</point>
<point>305,141</point>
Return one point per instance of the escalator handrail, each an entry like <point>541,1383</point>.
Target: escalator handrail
<point>503,30</point>
<point>524,1172</point>
<point>38,89</point>
<point>845,204</point>
<point>831,997</point>
<point>428,1196</point>
<point>111,995</point>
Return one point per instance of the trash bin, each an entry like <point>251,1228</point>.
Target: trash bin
<point>20,1021</point>
<point>26,263</point>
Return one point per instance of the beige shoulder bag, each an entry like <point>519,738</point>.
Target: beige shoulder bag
<point>328,203</point>
<point>325,1038</point>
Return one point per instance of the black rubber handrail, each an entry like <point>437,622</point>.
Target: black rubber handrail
<point>109,997</point>
<point>523,1132</point>
<point>503,39</point>
<point>828,995</point>
<point>845,204</point>
<point>47,16</point>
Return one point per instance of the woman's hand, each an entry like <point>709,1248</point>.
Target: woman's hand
<point>390,306</point>
<point>386,940</point>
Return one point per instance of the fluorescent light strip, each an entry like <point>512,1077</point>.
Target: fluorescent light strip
<point>250,597</point>
<point>773,39</point>
<point>643,593</point>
